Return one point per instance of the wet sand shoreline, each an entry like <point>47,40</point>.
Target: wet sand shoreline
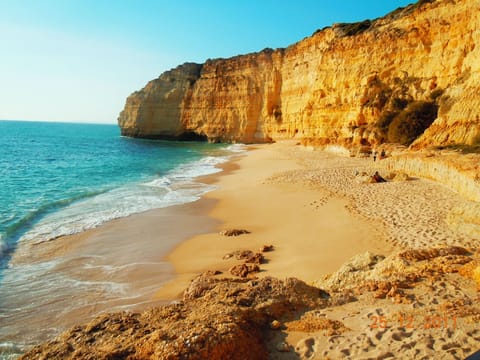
<point>117,266</point>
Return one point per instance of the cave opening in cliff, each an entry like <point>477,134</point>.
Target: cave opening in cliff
<point>193,136</point>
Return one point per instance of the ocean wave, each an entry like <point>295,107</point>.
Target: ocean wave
<point>76,215</point>
<point>202,167</point>
<point>8,218</point>
<point>237,148</point>
<point>163,182</point>
<point>14,231</point>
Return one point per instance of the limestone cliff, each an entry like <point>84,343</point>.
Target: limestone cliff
<point>154,111</point>
<point>411,77</point>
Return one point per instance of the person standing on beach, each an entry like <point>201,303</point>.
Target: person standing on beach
<point>374,155</point>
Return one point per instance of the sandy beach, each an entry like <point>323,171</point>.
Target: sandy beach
<point>332,228</point>
<point>320,212</point>
<point>268,193</point>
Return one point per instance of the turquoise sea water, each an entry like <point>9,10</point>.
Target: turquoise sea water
<point>58,179</point>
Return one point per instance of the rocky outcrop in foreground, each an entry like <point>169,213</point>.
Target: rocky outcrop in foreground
<point>252,318</point>
<point>411,77</point>
<point>218,319</point>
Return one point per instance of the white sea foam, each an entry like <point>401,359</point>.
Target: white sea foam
<point>237,148</point>
<point>163,182</point>
<point>118,268</point>
<point>174,188</point>
<point>205,166</point>
<point>9,351</point>
<point>27,288</point>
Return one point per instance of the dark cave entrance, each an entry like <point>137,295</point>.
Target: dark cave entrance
<point>192,136</point>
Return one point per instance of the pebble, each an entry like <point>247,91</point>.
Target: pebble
<point>275,325</point>
<point>283,347</point>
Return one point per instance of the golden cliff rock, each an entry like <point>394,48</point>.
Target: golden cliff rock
<point>411,77</point>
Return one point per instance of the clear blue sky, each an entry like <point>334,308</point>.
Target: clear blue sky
<point>78,60</point>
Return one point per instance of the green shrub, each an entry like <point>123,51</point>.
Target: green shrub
<point>399,104</point>
<point>386,119</point>
<point>407,10</point>
<point>320,30</point>
<point>350,29</point>
<point>412,122</point>
<point>423,2</point>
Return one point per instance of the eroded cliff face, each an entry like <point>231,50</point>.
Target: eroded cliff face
<point>411,77</point>
<point>155,110</point>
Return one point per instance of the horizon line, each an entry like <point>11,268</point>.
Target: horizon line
<point>62,121</point>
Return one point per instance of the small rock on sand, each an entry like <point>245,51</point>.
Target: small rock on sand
<point>243,270</point>
<point>266,248</point>
<point>211,273</point>
<point>234,232</point>
<point>247,255</point>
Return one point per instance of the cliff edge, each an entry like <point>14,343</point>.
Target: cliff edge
<point>411,77</point>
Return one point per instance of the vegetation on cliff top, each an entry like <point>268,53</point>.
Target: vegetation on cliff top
<point>407,10</point>
<point>351,29</point>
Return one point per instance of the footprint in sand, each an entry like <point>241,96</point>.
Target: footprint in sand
<point>408,346</point>
<point>401,335</point>
<point>475,334</point>
<point>387,355</point>
<point>428,342</point>
<point>449,346</point>
<point>379,334</point>
<point>320,202</point>
<point>305,348</point>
